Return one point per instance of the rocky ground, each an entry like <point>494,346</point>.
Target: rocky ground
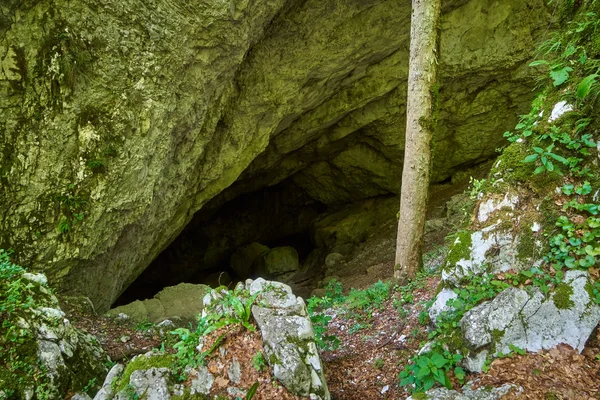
<point>375,344</point>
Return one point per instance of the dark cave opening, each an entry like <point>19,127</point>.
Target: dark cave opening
<point>275,217</point>
<point>269,222</point>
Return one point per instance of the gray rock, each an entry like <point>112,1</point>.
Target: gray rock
<point>37,278</point>
<point>333,262</point>
<point>439,305</point>
<point>203,383</point>
<point>288,339</point>
<point>234,371</point>
<point>278,262</point>
<point>77,396</point>
<point>467,393</point>
<point>531,321</point>
<point>181,301</point>
<point>106,391</point>
<point>65,354</point>
<point>151,383</point>
<point>277,294</point>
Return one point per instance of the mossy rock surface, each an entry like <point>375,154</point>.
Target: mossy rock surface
<point>122,119</point>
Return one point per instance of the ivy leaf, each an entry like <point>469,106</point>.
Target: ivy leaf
<point>568,189</point>
<point>560,76</point>
<point>585,86</point>
<point>570,262</point>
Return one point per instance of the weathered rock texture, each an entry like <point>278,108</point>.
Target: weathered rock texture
<point>487,393</point>
<point>120,119</point>
<point>289,339</point>
<point>57,357</point>
<point>531,321</point>
<point>182,302</point>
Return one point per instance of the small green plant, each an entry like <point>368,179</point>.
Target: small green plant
<point>144,326</point>
<point>258,361</point>
<point>72,207</point>
<point>477,186</point>
<point>545,155</point>
<point>358,327</point>
<point>90,386</point>
<point>577,244</point>
<point>232,308</point>
<point>378,363</point>
<point>427,369</point>
<point>368,299</point>
<point>252,391</point>
<point>131,393</point>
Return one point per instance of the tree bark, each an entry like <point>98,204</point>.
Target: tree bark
<point>420,123</point>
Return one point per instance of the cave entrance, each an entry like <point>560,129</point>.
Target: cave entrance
<point>243,238</point>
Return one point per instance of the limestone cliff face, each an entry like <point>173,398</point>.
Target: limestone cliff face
<point>120,119</point>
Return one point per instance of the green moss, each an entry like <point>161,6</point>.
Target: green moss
<point>562,296</point>
<point>143,363</point>
<point>589,288</point>
<point>460,250</point>
<point>526,245</point>
<point>420,396</point>
<point>510,164</point>
<point>497,335</point>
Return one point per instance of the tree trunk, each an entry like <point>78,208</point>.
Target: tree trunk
<point>420,123</point>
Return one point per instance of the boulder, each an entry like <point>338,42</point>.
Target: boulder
<point>36,336</point>
<point>530,320</point>
<point>280,262</point>
<point>243,259</point>
<point>150,384</point>
<point>183,301</point>
<point>288,338</point>
<point>466,393</point>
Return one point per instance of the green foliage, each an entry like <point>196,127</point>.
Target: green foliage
<point>477,186</point>
<point>320,321</point>
<point>358,327</point>
<point>20,366</point>
<point>431,367</point>
<point>577,244</point>
<point>96,165</point>
<point>90,386</point>
<point>360,301</point>
<point>585,86</point>
<point>131,393</point>
<point>545,155</point>
<point>368,299</point>
<point>252,391</point>
<point>427,369</point>
<point>514,350</point>
<point>231,309</point>
<point>258,361</point>
<point>144,326</point>
<point>72,206</point>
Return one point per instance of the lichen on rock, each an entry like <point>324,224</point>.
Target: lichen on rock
<point>41,354</point>
<point>123,119</point>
